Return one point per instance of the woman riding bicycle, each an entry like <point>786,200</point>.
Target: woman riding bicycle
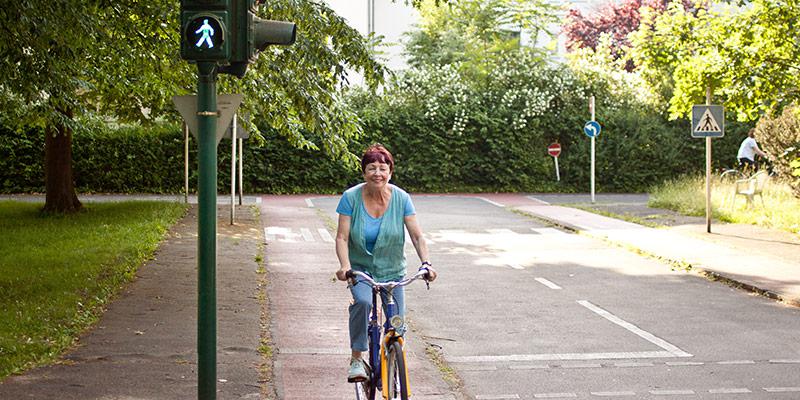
<point>371,238</point>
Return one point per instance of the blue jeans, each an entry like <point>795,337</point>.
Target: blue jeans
<point>362,306</point>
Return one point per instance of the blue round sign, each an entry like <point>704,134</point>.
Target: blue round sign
<point>592,129</point>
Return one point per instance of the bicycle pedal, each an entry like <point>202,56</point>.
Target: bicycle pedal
<point>357,379</point>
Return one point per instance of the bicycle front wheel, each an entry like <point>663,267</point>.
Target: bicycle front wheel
<point>396,372</point>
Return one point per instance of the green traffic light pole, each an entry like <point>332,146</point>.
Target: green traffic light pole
<point>207,115</point>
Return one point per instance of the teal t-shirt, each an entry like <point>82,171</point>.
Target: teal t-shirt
<point>372,225</point>
<point>376,245</point>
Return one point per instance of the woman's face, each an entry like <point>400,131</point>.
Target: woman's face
<point>377,174</point>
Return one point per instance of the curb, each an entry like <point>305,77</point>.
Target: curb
<point>706,273</point>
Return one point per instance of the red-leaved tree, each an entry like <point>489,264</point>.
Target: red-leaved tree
<point>617,19</point>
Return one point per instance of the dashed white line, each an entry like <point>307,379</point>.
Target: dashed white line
<point>736,362</point>
<point>613,394</point>
<point>547,283</point>
<point>684,363</point>
<point>515,266</point>
<point>633,364</point>
<point>730,391</point>
<point>307,236</point>
<point>675,351</point>
<point>577,366</point>
<point>781,389</point>
<point>670,392</point>
<point>496,396</point>
<point>784,361</point>
<point>326,236</point>
<point>309,203</point>
<point>554,395</point>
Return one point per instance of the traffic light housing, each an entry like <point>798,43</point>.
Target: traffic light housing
<point>251,34</point>
<point>204,30</point>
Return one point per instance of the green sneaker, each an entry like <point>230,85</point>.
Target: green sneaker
<point>358,372</point>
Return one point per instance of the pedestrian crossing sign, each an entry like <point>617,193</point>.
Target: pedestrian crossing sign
<point>708,121</point>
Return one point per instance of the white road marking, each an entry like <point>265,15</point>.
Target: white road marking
<point>549,231</point>
<point>309,203</point>
<point>633,364</point>
<point>736,362</point>
<point>670,392</point>
<point>554,395</point>
<point>494,203</point>
<point>515,266</point>
<point>307,235</point>
<point>314,350</point>
<point>496,397</point>
<point>784,361</point>
<point>675,351</point>
<point>782,389</point>
<point>684,363</point>
<point>271,234</point>
<point>730,391</point>
<point>326,236</point>
<point>547,283</point>
<point>613,394</point>
<point>258,200</point>
<point>561,357</point>
<point>503,231</point>
<point>538,200</point>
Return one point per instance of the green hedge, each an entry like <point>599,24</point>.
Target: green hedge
<point>634,151</point>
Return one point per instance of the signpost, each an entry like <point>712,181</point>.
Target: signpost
<point>708,122</point>
<point>555,150</point>
<point>592,129</point>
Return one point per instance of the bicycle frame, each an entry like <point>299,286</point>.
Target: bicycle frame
<point>378,371</point>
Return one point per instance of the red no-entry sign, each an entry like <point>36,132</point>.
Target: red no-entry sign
<point>554,149</point>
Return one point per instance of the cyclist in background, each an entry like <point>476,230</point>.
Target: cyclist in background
<point>747,152</point>
<point>371,238</point>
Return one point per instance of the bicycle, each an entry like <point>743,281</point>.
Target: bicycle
<point>386,366</point>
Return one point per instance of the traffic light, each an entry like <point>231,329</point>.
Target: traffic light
<point>204,30</point>
<point>251,34</point>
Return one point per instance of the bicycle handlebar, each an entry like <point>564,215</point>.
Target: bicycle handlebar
<point>421,273</point>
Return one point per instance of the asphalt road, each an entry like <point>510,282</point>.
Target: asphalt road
<point>523,310</point>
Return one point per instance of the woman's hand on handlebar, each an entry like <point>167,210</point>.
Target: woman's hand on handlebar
<point>341,274</point>
<point>431,273</point>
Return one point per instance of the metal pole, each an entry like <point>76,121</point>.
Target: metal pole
<point>233,170</point>
<point>207,115</point>
<point>558,177</point>
<point>185,163</point>
<point>591,106</point>
<point>241,154</point>
<point>708,169</point>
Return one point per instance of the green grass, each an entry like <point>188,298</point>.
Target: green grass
<point>686,195</point>
<point>58,271</point>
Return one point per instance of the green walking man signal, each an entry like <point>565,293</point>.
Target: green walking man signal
<point>229,33</point>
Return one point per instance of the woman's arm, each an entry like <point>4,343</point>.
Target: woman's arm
<point>342,236</point>
<point>415,232</point>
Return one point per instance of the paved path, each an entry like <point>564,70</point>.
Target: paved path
<point>309,310</point>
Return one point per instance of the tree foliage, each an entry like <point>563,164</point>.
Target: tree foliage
<point>616,20</point>
<point>748,54</point>
<point>65,62</point>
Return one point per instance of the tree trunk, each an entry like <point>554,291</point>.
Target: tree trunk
<point>59,185</point>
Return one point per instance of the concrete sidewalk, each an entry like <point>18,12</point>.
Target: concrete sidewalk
<point>762,260</point>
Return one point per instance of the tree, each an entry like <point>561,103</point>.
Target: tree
<point>471,31</point>
<point>614,19</point>
<point>69,60</point>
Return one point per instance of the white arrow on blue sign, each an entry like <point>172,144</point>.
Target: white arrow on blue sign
<point>592,129</point>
